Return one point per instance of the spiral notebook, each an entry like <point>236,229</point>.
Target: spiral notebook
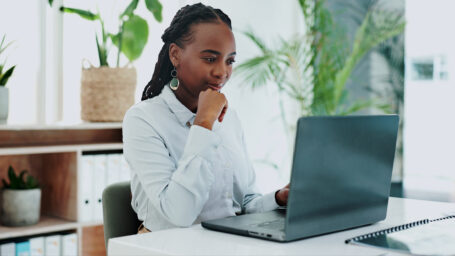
<point>424,237</point>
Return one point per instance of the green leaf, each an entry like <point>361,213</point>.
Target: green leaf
<point>22,175</point>
<point>5,184</point>
<point>156,8</point>
<point>256,71</point>
<point>31,182</point>
<point>4,48</point>
<point>14,180</point>
<point>130,9</point>
<point>102,56</point>
<point>1,43</point>
<point>50,2</point>
<point>82,13</point>
<point>4,78</point>
<point>256,40</point>
<point>134,37</point>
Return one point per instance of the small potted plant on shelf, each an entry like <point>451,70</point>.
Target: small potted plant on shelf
<point>5,74</point>
<point>21,199</point>
<point>106,91</point>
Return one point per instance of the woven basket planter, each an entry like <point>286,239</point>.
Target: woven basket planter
<point>107,93</point>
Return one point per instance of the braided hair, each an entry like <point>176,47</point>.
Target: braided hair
<point>179,32</point>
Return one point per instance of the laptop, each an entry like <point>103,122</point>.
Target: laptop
<point>340,179</point>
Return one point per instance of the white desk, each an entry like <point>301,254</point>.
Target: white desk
<point>199,241</point>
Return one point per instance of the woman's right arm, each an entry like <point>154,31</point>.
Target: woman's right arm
<point>177,192</point>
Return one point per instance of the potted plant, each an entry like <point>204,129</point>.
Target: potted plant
<point>313,67</point>
<point>5,74</point>
<point>106,91</point>
<point>21,199</point>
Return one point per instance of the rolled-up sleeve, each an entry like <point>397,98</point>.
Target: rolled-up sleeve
<point>178,192</point>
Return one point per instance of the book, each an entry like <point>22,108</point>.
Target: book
<point>52,245</point>
<point>113,173</point>
<point>85,188</point>
<point>8,249</point>
<point>23,248</point>
<point>37,246</point>
<point>99,183</point>
<point>69,244</point>
<point>423,237</point>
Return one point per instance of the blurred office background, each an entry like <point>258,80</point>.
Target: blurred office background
<point>50,49</point>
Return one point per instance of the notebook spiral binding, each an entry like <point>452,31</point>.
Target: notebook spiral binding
<point>444,218</point>
<point>389,230</point>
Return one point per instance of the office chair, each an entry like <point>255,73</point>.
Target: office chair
<point>119,217</point>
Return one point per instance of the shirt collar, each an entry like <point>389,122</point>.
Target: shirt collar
<point>183,114</point>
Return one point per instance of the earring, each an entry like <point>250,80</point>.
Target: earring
<point>174,84</point>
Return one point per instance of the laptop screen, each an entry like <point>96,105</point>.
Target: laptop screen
<point>341,173</point>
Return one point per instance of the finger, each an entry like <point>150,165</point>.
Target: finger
<point>287,186</point>
<point>223,112</point>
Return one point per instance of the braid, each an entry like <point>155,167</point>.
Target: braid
<point>179,32</point>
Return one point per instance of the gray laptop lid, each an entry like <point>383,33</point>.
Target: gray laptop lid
<point>341,173</point>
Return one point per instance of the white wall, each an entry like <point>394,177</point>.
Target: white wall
<point>22,25</point>
<point>429,132</point>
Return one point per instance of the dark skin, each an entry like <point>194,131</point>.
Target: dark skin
<point>204,65</point>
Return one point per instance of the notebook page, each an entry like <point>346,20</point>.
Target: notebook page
<point>434,238</point>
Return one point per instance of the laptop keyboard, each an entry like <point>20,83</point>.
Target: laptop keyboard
<point>275,225</point>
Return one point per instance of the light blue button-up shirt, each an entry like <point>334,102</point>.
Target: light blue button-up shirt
<point>183,174</point>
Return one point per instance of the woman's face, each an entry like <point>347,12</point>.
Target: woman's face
<point>205,61</point>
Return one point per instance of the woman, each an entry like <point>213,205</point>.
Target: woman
<point>184,145</point>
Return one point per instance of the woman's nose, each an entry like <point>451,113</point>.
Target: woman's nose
<point>220,71</point>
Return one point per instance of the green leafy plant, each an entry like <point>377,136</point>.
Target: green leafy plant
<point>4,76</point>
<point>20,182</point>
<point>132,34</point>
<point>313,67</point>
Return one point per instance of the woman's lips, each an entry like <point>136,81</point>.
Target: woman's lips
<point>215,87</point>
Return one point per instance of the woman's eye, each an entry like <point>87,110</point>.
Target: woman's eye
<point>230,62</point>
<point>210,59</point>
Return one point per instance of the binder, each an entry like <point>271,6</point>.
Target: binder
<point>69,245</point>
<point>99,183</point>
<point>37,246</point>
<point>85,187</point>
<point>52,245</point>
<point>114,168</point>
<point>126,171</point>
<point>423,237</point>
<point>8,249</point>
<point>23,248</point>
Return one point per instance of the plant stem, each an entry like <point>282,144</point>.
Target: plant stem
<point>120,36</point>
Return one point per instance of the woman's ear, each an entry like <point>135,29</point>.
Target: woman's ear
<point>174,54</point>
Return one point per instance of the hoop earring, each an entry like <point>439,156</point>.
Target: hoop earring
<point>174,84</point>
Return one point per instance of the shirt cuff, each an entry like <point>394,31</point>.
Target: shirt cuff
<point>200,142</point>
<point>268,202</point>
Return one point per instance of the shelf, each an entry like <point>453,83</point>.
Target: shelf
<point>52,136</point>
<point>62,126</point>
<point>59,148</point>
<point>45,225</point>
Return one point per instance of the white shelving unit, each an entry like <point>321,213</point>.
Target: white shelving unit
<point>52,154</point>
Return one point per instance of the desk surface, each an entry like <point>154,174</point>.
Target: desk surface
<point>199,241</point>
